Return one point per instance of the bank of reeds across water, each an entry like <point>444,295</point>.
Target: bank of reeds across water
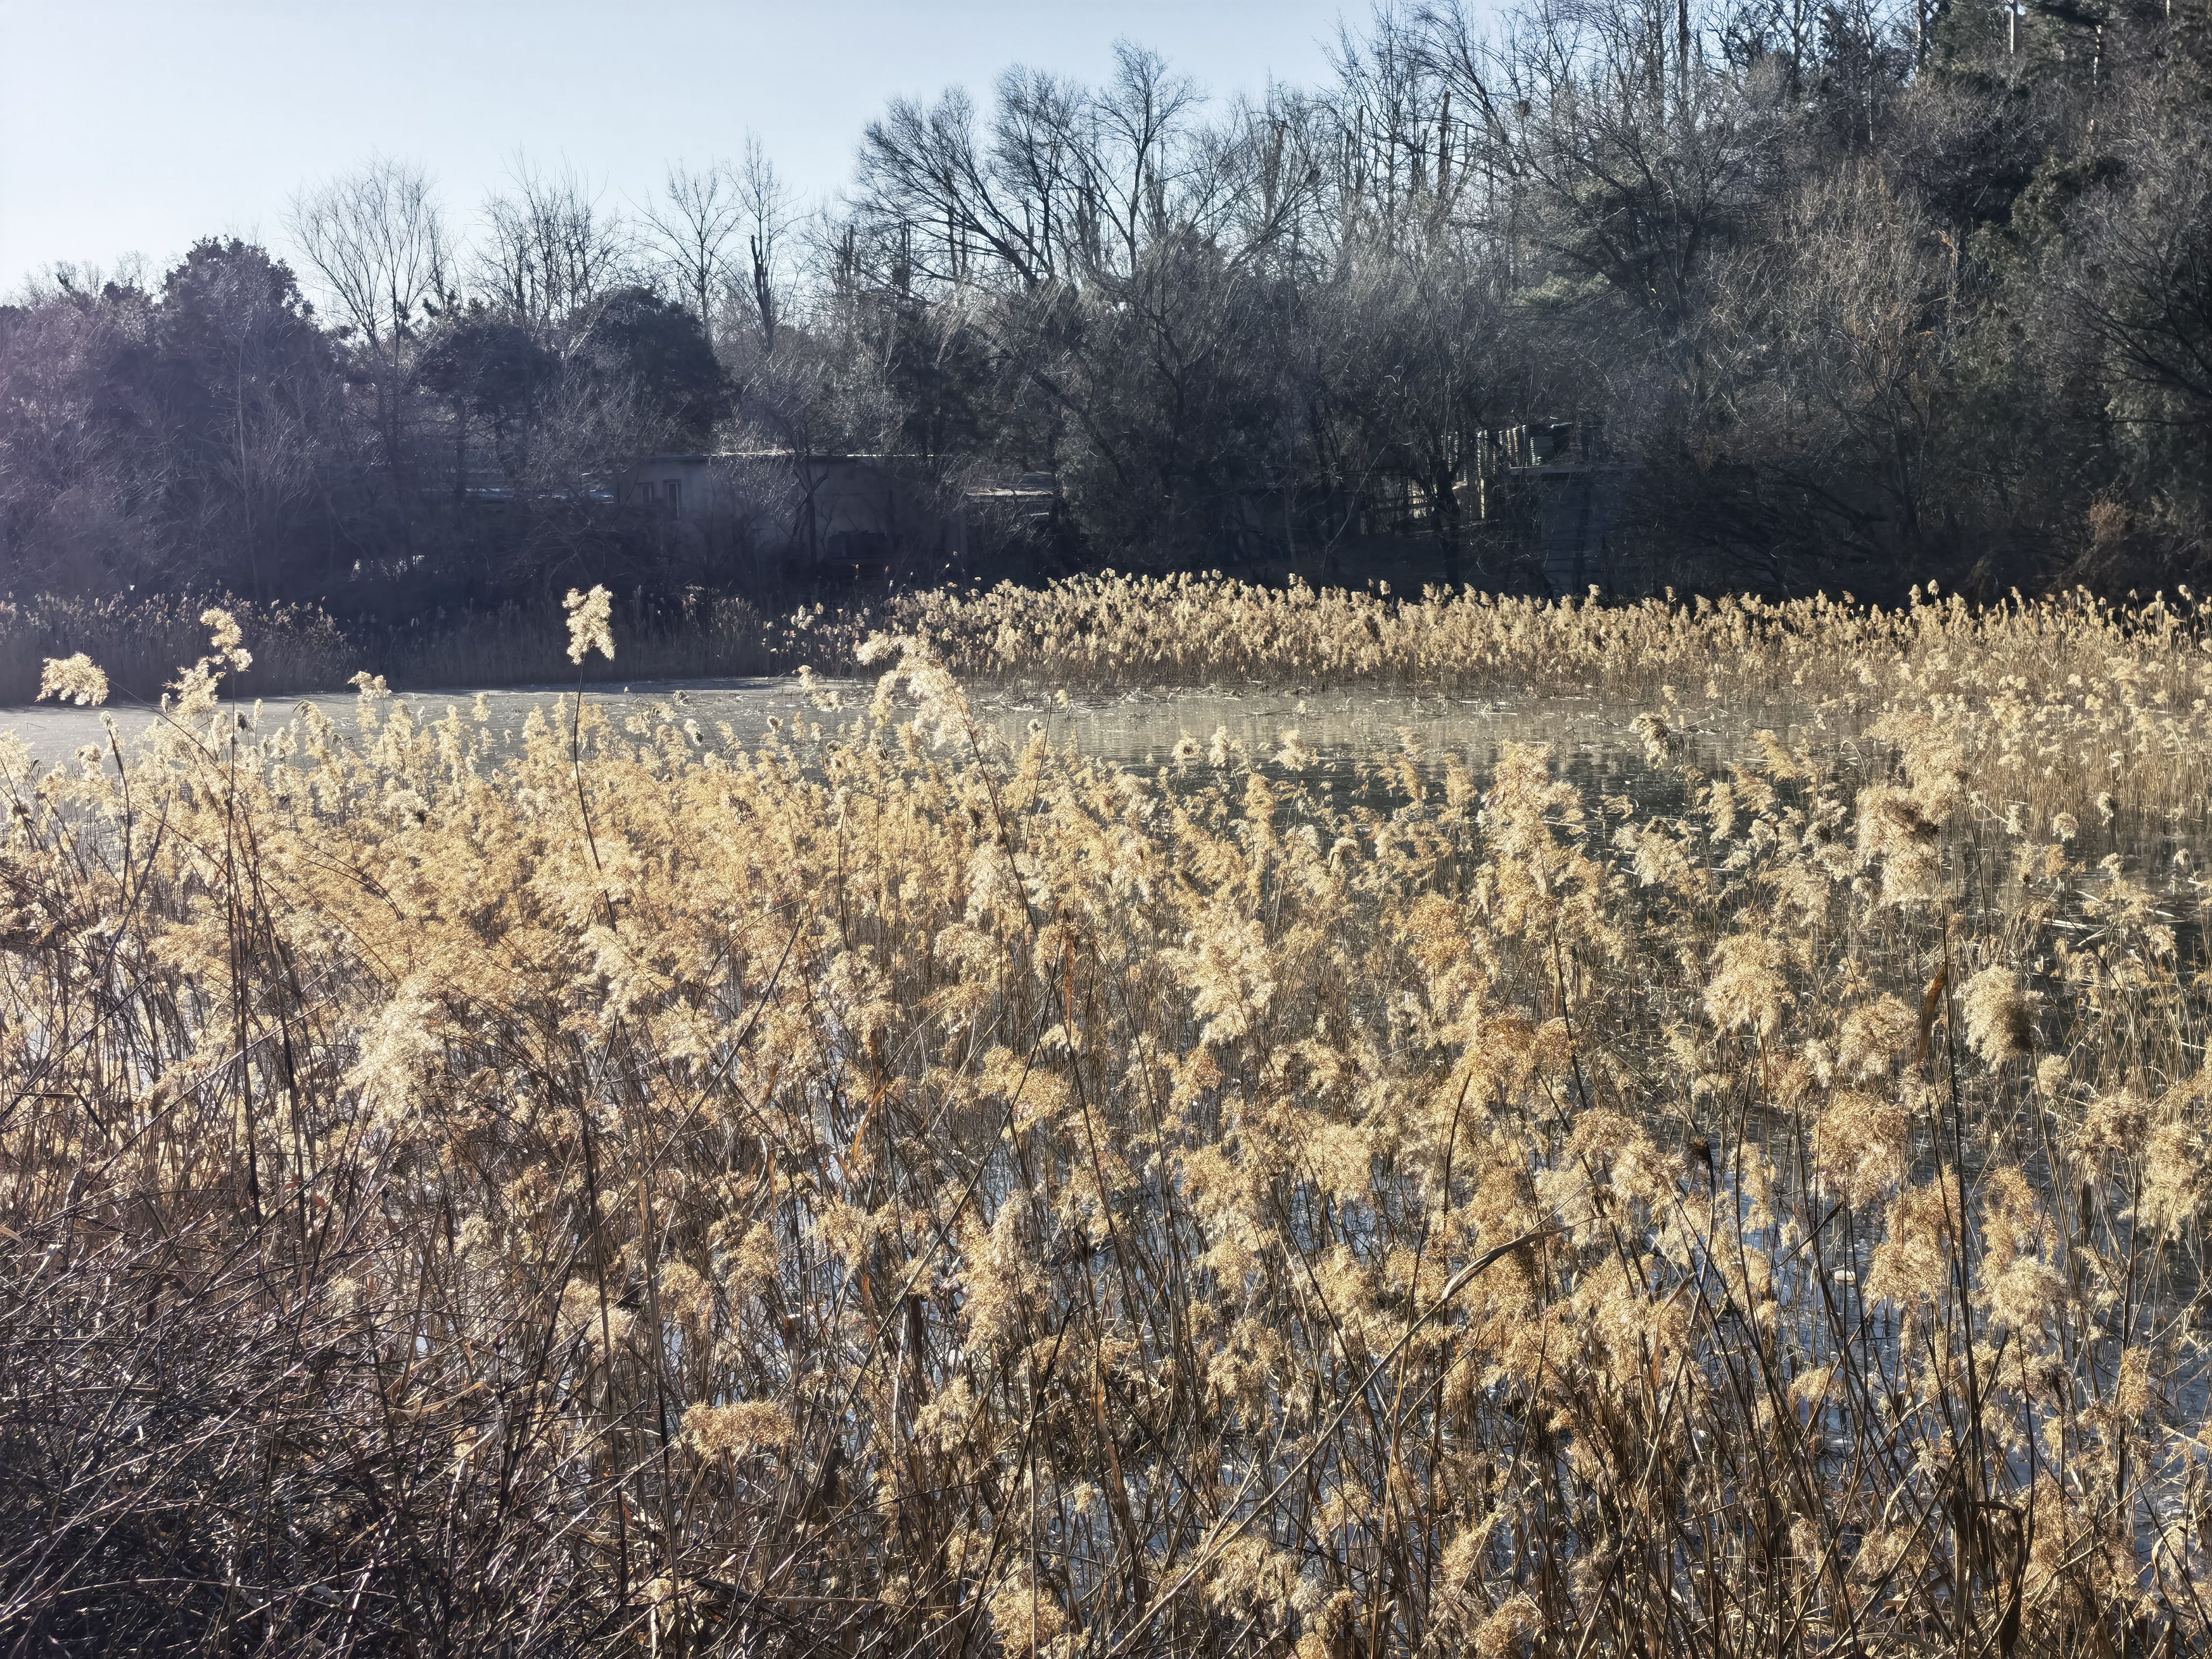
<point>300,650</point>
<point>895,1194</point>
<point>1110,630</point>
<point>139,641</point>
<point>1100,634</point>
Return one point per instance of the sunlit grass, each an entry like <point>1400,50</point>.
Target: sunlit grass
<point>900,1192</point>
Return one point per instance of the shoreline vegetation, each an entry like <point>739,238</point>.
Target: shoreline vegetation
<point>300,650</point>
<point>1510,292</point>
<point>1110,631</point>
<point>903,1190</point>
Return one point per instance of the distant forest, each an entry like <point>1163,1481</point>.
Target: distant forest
<point>1857,297</point>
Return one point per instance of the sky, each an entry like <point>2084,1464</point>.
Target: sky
<point>138,126</point>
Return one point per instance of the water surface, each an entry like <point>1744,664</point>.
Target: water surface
<point>1592,740</point>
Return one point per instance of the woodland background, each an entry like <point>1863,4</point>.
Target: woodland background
<point>1859,294</point>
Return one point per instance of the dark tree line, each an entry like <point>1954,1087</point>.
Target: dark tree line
<point>1856,296</point>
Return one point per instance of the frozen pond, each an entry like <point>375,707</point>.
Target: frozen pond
<point>1135,727</point>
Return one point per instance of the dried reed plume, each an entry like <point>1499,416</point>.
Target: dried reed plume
<point>892,1193</point>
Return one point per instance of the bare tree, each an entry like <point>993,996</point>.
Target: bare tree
<point>690,225</point>
<point>1591,164</point>
<point>1396,136</point>
<point>376,240</point>
<point>1143,113</point>
<point>1041,148</point>
<point>2142,284</point>
<point>551,249</point>
<point>927,173</point>
<point>1411,362</point>
<point>1842,322</point>
<point>766,213</point>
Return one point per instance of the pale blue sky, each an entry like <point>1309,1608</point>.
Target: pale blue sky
<point>138,125</point>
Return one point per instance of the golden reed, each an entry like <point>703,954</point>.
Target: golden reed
<point>592,1188</point>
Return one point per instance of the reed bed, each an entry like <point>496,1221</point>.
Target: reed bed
<point>1114,630</point>
<point>140,639</point>
<point>894,1193</point>
<point>696,636</point>
<point>139,642</point>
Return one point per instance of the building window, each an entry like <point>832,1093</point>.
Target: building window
<point>675,494</point>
